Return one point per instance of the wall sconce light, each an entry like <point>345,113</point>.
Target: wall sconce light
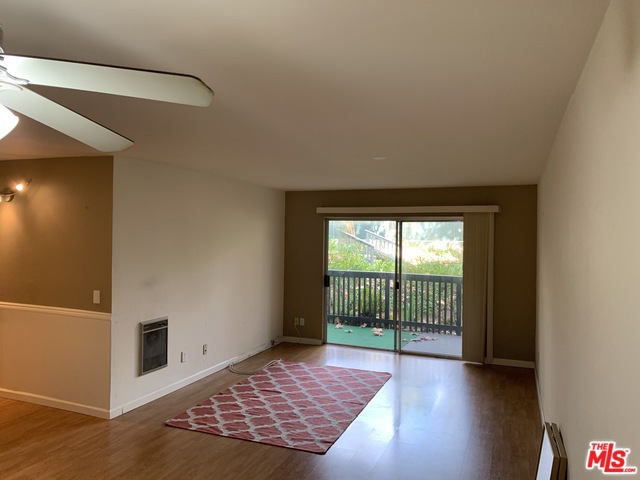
<point>8,193</point>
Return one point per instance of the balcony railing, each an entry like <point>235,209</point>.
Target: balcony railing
<point>427,303</point>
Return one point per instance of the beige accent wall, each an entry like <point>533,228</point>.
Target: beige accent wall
<point>55,237</point>
<point>515,257</point>
<point>589,268</point>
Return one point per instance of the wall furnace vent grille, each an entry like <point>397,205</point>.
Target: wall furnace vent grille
<point>153,344</point>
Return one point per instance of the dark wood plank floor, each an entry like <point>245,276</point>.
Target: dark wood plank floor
<point>435,419</point>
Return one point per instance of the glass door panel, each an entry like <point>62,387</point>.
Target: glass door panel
<point>360,283</point>
<point>430,295</point>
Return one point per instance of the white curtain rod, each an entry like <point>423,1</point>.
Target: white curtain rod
<point>412,210</point>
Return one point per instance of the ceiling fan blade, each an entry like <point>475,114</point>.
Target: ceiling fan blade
<point>150,85</point>
<point>62,119</point>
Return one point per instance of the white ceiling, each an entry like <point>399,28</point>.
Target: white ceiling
<point>308,93</point>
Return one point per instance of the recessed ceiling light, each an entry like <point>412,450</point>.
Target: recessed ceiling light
<point>378,158</point>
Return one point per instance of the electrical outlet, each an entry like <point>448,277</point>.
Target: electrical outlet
<point>296,321</point>
<point>183,357</point>
<point>301,322</point>
<point>205,349</point>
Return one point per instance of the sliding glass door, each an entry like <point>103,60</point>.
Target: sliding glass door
<point>395,285</point>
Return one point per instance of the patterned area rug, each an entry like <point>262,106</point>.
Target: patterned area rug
<point>294,405</point>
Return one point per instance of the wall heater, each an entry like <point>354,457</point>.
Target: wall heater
<point>153,344</point>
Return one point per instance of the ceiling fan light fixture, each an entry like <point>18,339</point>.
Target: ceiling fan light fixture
<point>8,121</point>
<point>18,71</point>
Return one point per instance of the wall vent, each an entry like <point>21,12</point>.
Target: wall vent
<point>153,344</point>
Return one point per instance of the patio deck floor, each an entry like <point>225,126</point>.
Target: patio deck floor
<point>442,346</point>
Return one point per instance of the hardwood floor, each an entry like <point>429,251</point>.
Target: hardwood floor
<point>435,419</point>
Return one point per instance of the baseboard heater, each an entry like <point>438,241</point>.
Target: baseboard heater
<point>153,344</point>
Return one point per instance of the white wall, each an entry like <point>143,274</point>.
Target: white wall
<point>204,251</point>
<point>589,266</point>
<point>57,357</point>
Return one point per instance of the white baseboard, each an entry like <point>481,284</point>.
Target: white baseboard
<point>150,397</point>
<point>55,403</point>
<point>505,362</point>
<point>304,341</point>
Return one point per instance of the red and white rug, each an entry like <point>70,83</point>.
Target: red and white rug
<point>288,404</point>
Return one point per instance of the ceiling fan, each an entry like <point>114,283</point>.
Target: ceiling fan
<point>17,72</point>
